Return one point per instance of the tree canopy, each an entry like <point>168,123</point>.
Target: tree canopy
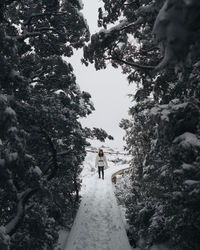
<point>157,44</point>
<point>42,142</point>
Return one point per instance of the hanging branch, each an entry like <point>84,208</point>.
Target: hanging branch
<point>12,226</point>
<point>132,64</point>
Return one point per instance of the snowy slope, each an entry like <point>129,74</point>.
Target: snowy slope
<point>98,224</point>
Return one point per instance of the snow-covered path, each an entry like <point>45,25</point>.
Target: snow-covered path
<point>98,224</point>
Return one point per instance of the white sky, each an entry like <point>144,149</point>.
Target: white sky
<point>108,88</point>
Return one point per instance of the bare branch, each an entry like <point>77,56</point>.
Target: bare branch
<point>149,50</point>
<point>132,64</point>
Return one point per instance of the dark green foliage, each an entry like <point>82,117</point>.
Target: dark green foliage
<point>166,173</point>
<point>42,143</point>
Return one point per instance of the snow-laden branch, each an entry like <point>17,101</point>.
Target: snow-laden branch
<point>12,226</point>
<point>38,32</point>
<point>129,25</point>
<point>121,26</point>
<point>38,15</point>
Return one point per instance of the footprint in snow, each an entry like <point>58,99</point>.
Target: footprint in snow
<point>115,227</point>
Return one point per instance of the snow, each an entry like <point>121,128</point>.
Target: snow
<point>118,27</point>
<point>98,224</point>
<point>10,111</point>
<point>57,92</point>
<point>186,166</point>
<point>12,156</point>
<point>191,182</point>
<point>63,234</point>
<point>166,109</point>
<point>159,247</point>
<point>187,140</point>
<point>123,187</point>
<point>80,2</point>
<point>36,170</point>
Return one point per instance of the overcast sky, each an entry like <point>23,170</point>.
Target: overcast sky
<point>108,88</point>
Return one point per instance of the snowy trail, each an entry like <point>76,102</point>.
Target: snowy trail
<point>98,224</point>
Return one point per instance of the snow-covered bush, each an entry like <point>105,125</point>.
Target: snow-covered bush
<point>164,202</point>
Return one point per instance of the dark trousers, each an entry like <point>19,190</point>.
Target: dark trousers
<point>101,170</point>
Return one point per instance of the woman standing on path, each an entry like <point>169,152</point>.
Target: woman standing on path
<point>101,162</point>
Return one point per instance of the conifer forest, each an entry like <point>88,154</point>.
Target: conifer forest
<point>156,45</point>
